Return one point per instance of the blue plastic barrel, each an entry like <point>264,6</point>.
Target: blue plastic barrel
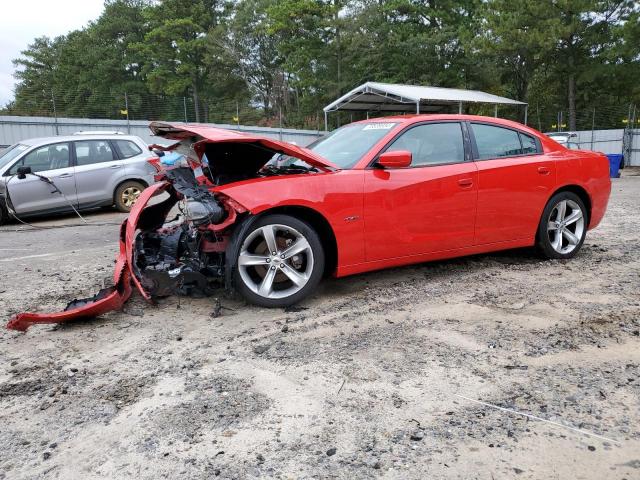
<point>615,159</point>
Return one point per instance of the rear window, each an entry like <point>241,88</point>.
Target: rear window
<point>127,148</point>
<point>496,142</point>
<point>93,151</point>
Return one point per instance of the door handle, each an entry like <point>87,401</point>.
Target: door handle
<point>465,182</point>
<point>544,171</point>
<point>115,166</point>
<point>65,175</point>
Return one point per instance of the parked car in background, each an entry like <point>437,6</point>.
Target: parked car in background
<point>566,139</point>
<point>87,170</point>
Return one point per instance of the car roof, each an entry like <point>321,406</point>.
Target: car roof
<point>414,118</point>
<point>36,142</point>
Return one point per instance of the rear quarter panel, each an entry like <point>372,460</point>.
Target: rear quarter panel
<point>337,196</point>
<point>589,170</point>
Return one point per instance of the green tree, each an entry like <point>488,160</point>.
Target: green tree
<point>37,75</point>
<point>176,47</point>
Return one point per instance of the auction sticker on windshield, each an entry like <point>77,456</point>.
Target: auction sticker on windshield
<point>378,126</point>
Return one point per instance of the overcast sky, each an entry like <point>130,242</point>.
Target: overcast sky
<point>21,21</point>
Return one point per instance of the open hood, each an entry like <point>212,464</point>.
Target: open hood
<point>208,135</point>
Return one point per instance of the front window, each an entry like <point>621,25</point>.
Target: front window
<point>432,144</point>
<point>48,157</point>
<point>11,153</point>
<point>346,145</point>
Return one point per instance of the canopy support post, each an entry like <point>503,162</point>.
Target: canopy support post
<point>495,111</point>
<point>526,113</point>
<point>326,122</point>
<point>418,107</point>
<point>459,108</point>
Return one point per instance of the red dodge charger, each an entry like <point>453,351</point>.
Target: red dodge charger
<point>269,218</point>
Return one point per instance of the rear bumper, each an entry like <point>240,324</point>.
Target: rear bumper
<point>599,200</point>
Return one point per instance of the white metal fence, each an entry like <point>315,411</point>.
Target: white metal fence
<point>14,128</point>
<point>620,141</point>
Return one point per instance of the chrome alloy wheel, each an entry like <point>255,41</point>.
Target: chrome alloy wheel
<point>275,261</point>
<point>565,226</point>
<point>130,196</point>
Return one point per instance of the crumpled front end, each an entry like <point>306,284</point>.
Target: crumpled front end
<point>175,245</point>
<point>178,244</point>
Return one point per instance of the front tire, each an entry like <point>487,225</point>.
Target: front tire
<point>563,226</point>
<point>280,261</point>
<point>4,215</point>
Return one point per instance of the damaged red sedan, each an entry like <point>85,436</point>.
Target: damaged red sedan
<point>269,219</point>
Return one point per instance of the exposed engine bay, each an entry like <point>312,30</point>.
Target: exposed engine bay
<point>182,255</point>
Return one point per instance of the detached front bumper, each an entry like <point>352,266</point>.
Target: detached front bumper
<point>112,298</point>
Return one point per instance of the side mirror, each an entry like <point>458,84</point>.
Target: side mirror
<point>397,159</point>
<point>23,172</point>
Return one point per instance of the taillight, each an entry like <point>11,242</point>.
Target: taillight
<point>155,163</point>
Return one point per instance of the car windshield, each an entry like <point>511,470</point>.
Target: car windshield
<point>11,153</point>
<point>346,145</point>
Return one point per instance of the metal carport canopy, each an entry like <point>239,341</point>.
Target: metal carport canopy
<point>388,97</point>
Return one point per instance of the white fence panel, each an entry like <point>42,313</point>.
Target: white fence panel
<point>610,142</point>
<point>13,129</point>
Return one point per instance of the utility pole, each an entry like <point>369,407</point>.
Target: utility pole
<point>593,126</point>
<point>126,109</point>
<point>184,102</point>
<point>55,113</point>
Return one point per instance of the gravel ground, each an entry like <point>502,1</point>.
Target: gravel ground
<point>377,375</point>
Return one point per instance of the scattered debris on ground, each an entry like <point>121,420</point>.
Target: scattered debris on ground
<point>378,375</point>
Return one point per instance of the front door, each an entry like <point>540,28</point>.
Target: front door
<point>427,207</point>
<point>31,194</point>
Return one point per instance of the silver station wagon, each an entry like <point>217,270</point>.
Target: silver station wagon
<point>83,171</point>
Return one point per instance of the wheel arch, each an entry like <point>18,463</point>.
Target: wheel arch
<point>320,224</point>
<point>581,192</point>
<point>120,183</point>
<point>314,218</point>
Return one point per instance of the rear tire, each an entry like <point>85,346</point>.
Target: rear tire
<point>126,195</point>
<point>563,226</point>
<point>280,261</point>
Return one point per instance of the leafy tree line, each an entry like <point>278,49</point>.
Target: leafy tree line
<point>267,61</point>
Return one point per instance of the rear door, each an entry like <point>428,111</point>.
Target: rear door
<point>428,207</point>
<point>98,171</point>
<point>515,180</point>
<point>33,195</point>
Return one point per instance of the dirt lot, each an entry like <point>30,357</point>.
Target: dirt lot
<point>375,376</point>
